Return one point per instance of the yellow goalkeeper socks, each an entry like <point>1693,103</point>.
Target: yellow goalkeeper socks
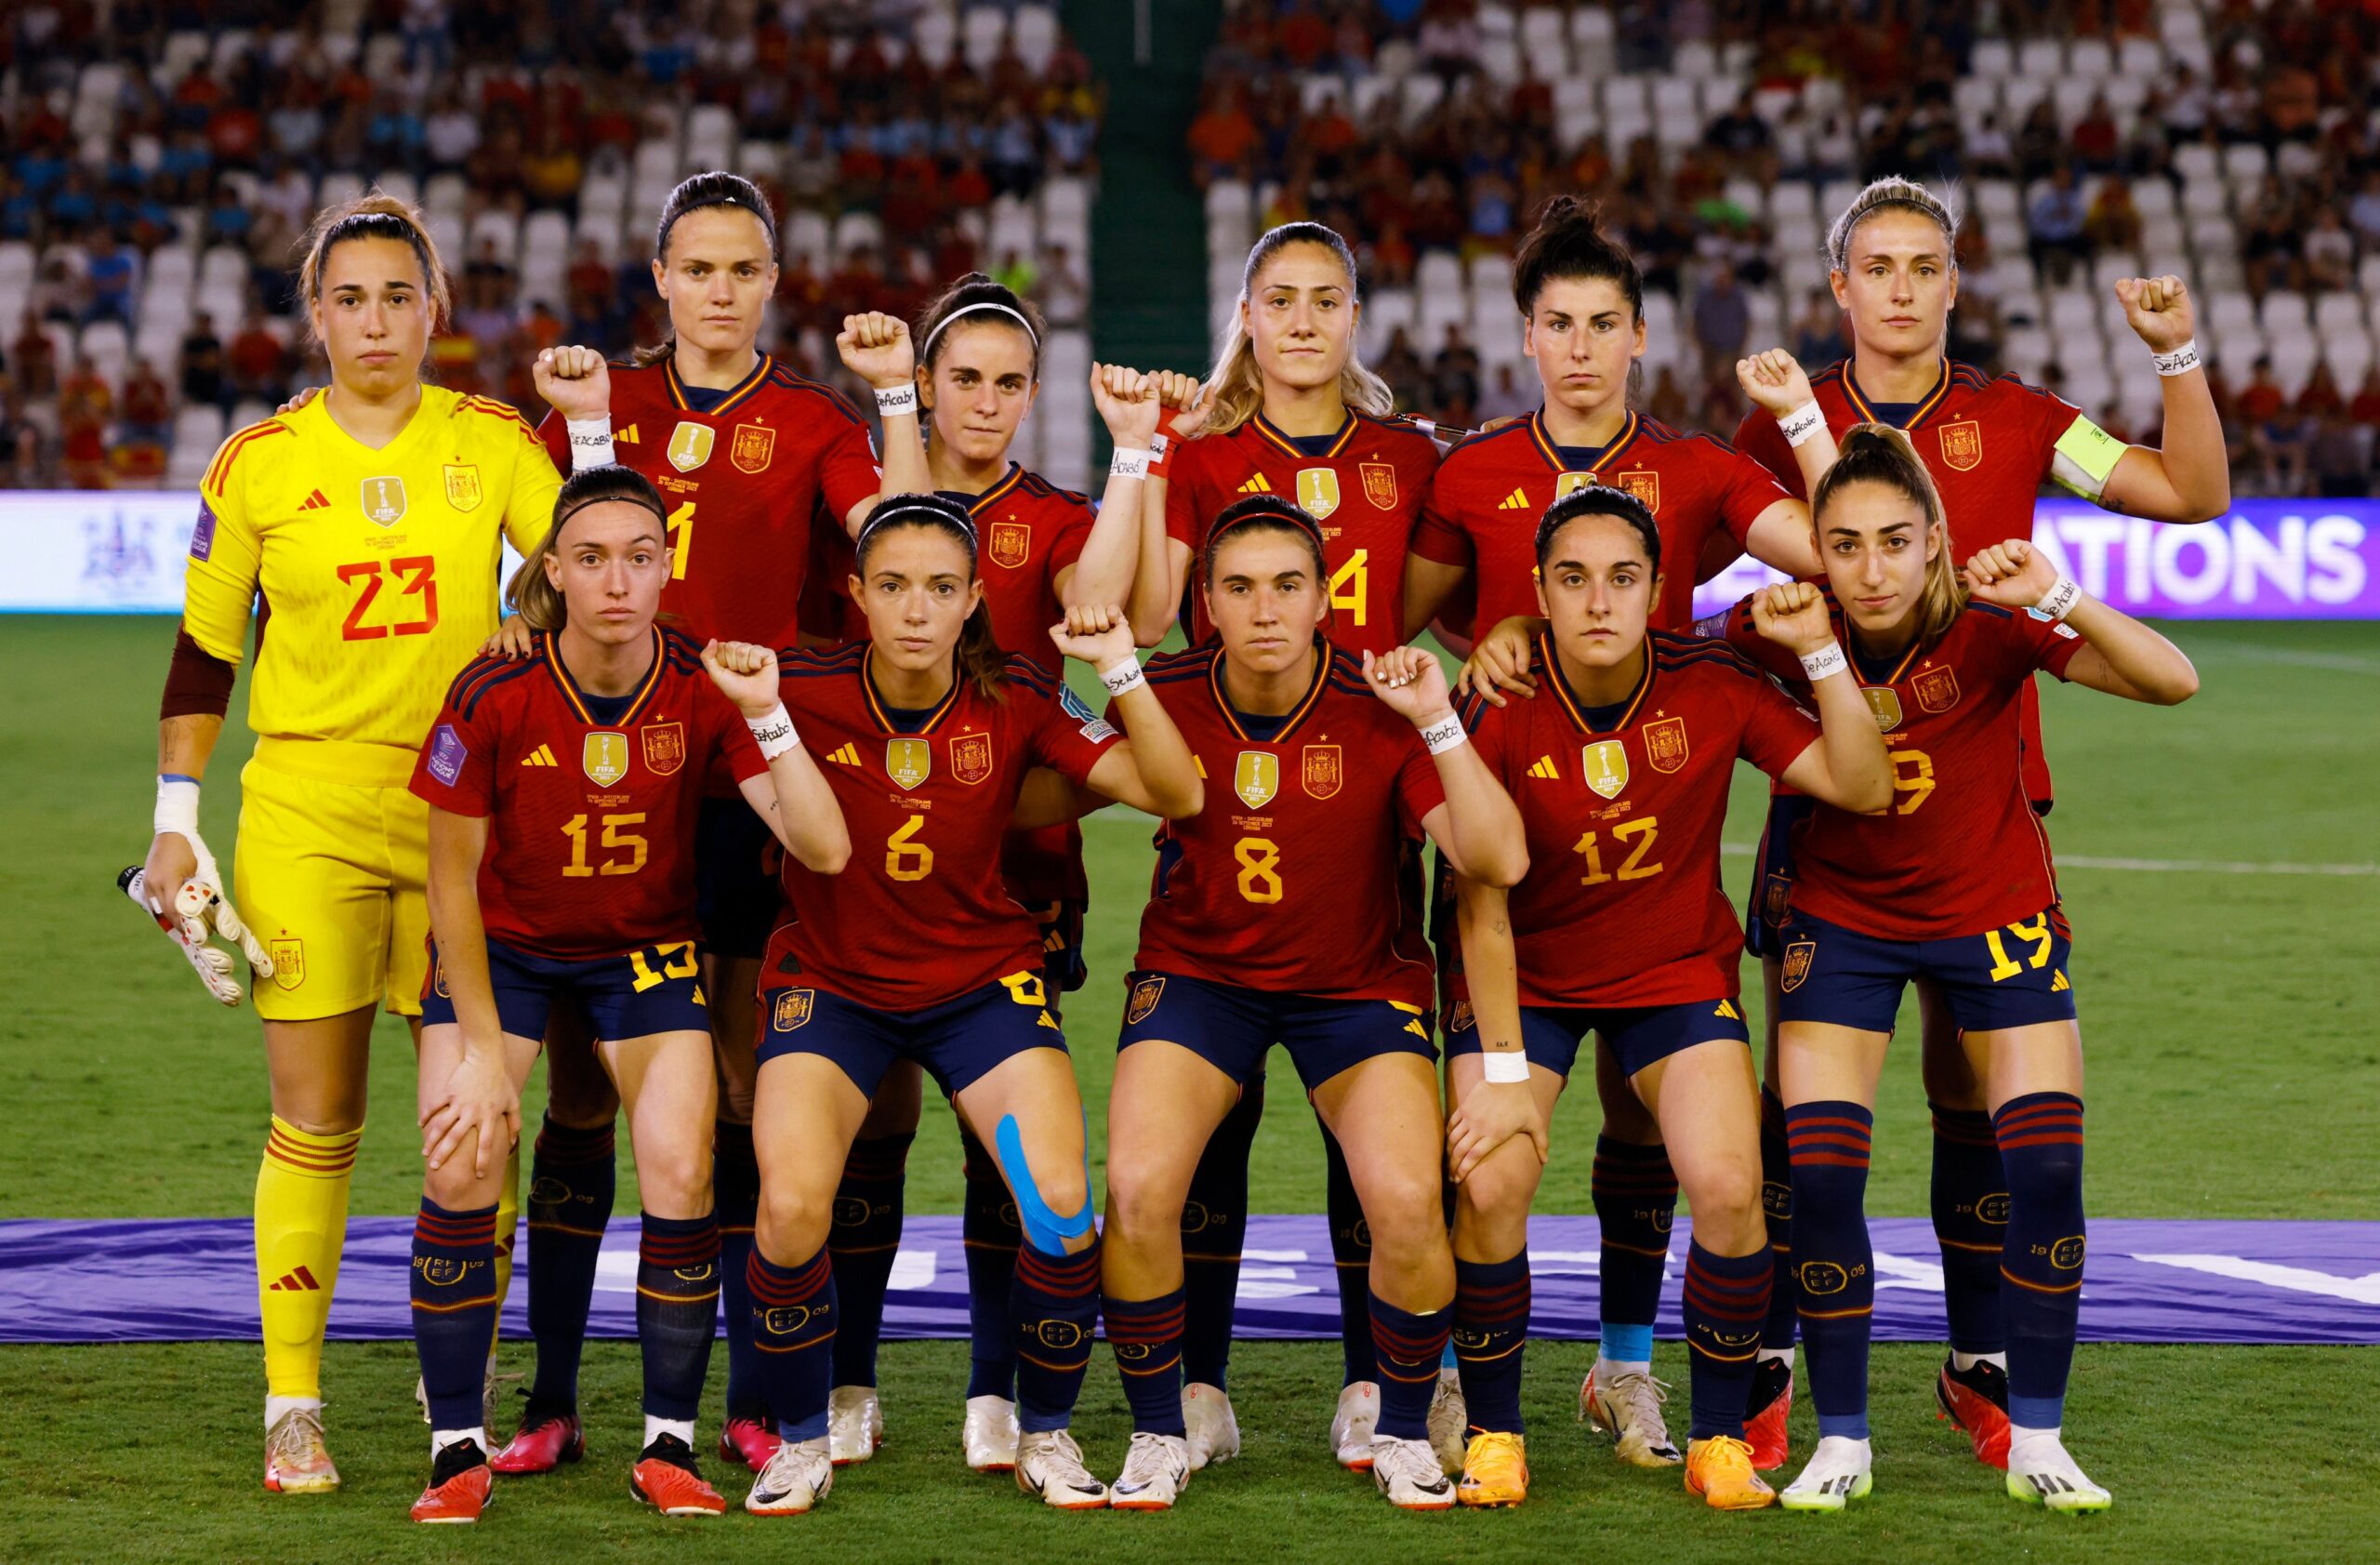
<point>301,1227</point>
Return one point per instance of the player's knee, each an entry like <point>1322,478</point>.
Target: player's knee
<point>675,1179</point>
<point>791,1223</point>
<point>456,1186</point>
<point>1062,1183</point>
<point>1728,1216</point>
<point>1405,1211</point>
<point>1503,1184</point>
<point>1142,1203</point>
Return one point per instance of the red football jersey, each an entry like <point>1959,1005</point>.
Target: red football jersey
<point>1366,490</point>
<point>590,847</point>
<point>1961,849</point>
<point>1295,879</point>
<point>1622,905</point>
<point>1026,532</point>
<point>1989,444</point>
<point>745,484</point>
<point>1485,502</point>
<point>920,915</point>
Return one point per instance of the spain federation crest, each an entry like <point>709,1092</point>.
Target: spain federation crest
<point>908,761</point>
<point>1777,899</point>
<point>690,444</point>
<point>1963,445</point>
<point>1937,689</point>
<point>1798,957</point>
<point>463,486</point>
<point>1644,484</point>
<point>971,757</point>
<point>1256,776</point>
<point>384,501</point>
<point>793,1009</point>
<point>1320,772</point>
<point>1665,744</point>
<point>1145,994</point>
<point>1380,485</point>
<point>1009,544</point>
<point>1568,484</point>
<point>664,748</point>
<point>751,448</point>
<point>289,955</point>
<point>1885,701</point>
<point>1318,491</point>
<point>604,756</point>
<point>1605,765</point>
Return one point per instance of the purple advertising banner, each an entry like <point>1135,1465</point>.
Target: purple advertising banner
<point>2266,560</point>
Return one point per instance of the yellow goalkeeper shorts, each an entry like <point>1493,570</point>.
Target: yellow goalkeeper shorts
<point>330,871</point>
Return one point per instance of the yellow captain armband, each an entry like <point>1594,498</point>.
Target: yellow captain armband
<point>2084,457</point>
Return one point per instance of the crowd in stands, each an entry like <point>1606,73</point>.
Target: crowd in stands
<point>2232,142</point>
<point>158,161</point>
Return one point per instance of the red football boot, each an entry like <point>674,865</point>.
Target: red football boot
<point>546,1438</point>
<point>1977,1400</point>
<point>748,1441</point>
<point>460,1485</point>
<point>1772,1395</point>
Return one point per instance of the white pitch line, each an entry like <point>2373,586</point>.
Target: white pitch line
<point>2164,866</point>
<point>2264,652</point>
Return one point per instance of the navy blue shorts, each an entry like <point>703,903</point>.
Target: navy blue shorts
<point>1231,1028</point>
<point>1063,970</point>
<point>2008,977</point>
<point>633,996</point>
<point>959,1041</point>
<point>1771,902</point>
<point>1637,1035</point>
<point>735,885</point>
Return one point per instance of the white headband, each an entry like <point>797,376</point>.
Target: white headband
<point>926,351</point>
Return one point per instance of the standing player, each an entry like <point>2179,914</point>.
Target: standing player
<point>1289,410</point>
<point>1044,550</point>
<point>371,521</point>
<point>1953,884</point>
<point>1990,445</point>
<point>1279,915</point>
<point>752,460</point>
<point>585,766</point>
<point>1621,928</point>
<point>917,952</point>
<point>1581,304</point>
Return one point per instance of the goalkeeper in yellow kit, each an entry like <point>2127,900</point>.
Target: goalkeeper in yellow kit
<point>365,530</point>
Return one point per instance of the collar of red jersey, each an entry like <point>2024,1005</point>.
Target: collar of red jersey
<point>1863,411</point>
<point>883,714</point>
<point>571,693</point>
<point>1543,439</point>
<point>736,396</point>
<point>1007,481</point>
<point>1551,662</point>
<point>1297,713</point>
<point>1289,443</point>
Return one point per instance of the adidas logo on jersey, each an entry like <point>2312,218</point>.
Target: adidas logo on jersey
<point>541,756</point>
<point>316,501</point>
<point>1544,768</point>
<point>1256,485</point>
<point>298,1282</point>
<point>625,437</point>
<point>2057,984</point>
<point>1516,500</point>
<point>847,756</point>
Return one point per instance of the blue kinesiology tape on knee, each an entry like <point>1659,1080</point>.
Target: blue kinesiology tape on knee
<point>1044,1229</point>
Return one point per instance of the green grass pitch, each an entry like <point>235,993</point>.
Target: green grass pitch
<point>2231,1023</point>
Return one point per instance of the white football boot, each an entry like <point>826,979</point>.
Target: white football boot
<point>1837,1474</point>
<point>989,1433</point>
<point>1157,1469</point>
<point>1213,1428</point>
<point>1352,1426</point>
<point>796,1479</point>
<point>1049,1464</point>
<point>1408,1474</point>
<point>854,1424</point>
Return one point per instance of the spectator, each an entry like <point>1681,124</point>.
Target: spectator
<point>1454,377</point>
<point>1015,272</point>
<point>84,403</point>
<point>2269,253</point>
<point>1722,320</point>
<point>1817,334</point>
<point>201,364</point>
<point>2039,145</point>
<point>1064,297</point>
<point>146,427</point>
<point>2114,222</point>
<point>1408,378</point>
<point>112,273</point>
<point>2339,457</point>
<point>2055,218</point>
<point>2363,212</point>
<point>2365,409</point>
<point>2095,137</point>
<point>2328,250</point>
<point>1223,138</point>
<point>2321,397</point>
<point>35,357</point>
<point>1741,136</point>
<point>255,359</point>
<point>1505,397</point>
<point>1990,153</point>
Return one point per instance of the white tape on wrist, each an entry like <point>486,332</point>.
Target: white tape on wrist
<point>1802,424</point>
<point>774,733</point>
<point>894,401</point>
<point>2059,600</point>
<point>1444,736</point>
<point>1123,677</point>
<point>2181,361</point>
<point>1129,463</point>
<point>176,806</point>
<point>1828,659</point>
<point>590,442</point>
<point>1504,1066</point>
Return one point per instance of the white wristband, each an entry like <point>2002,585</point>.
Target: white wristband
<point>2181,361</point>
<point>1504,1065</point>
<point>590,442</point>
<point>1124,678</point>
<point>1129,463</point>
<point>894,401</point>
<point>1803,423</point>
<point>1445,735</point>
<point>774,733</point>
<point>1828,659</point>
<point>176,806</point>
<point>2059,600</point>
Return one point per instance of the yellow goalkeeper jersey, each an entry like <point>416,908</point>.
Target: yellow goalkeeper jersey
<point>377,570</point>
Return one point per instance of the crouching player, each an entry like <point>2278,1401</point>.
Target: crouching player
<point>564,791</point>
<point>1622,929</point>
<point>1953,884</point>
<point>1281,914</point>
<point>918,953</point>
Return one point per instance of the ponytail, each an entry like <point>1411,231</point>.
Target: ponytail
<point>978,657</point>
<point>1880,453</point>
<point>1238,386</point>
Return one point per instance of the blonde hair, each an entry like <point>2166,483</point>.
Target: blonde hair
<point>375,215</point>
<point>1894,193</point>
<point>531,593</point>
<point>1239,385</point>
<point>1880,453</point>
